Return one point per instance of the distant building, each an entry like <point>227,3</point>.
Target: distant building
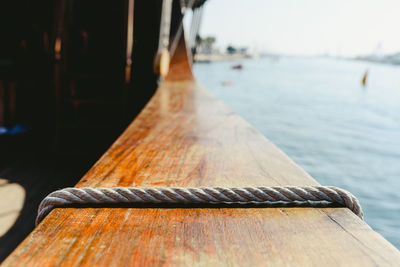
<point>236,50</point>
<point>205,45</point>
<point>206,52</point>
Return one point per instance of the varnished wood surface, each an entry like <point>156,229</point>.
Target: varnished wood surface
<point>186,137</point>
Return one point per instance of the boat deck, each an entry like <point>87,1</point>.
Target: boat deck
<point>185,137</point>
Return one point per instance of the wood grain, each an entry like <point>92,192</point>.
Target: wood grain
<point>186,137</point>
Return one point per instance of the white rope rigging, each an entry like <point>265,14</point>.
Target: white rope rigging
<point>177,36</point>
<point>195,27</point>
<point>310,196</point>
<point>163,55</point>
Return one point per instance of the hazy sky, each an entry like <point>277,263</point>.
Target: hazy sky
<point>337,27</point>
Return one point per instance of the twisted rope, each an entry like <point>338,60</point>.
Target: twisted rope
<point>311,196</point>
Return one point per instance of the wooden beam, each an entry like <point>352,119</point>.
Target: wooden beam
<point>186,137</point>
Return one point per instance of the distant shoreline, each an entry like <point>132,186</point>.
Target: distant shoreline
<point>206,58</point>
<point>225,57</point>
<point>385,60</point>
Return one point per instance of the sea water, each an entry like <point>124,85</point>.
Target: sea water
<point>319,113</point>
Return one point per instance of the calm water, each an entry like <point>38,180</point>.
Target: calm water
<point>316,111</point>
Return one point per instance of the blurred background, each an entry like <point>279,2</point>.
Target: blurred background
<point>321,80</point>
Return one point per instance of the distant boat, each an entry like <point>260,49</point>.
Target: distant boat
<point>237,67</point>
<point>227,83</point>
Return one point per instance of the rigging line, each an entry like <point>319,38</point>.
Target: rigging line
<point>178,33</point>
<point>193,28</point>
<point>200,12</point>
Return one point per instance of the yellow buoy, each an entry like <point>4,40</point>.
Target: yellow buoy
<point>364,78</point>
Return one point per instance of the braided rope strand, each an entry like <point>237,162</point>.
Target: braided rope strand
<point>312,196</point>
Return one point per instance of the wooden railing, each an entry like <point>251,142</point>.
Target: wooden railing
<point>186,137</point>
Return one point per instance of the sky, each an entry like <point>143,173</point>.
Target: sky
<point>305,27</point>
